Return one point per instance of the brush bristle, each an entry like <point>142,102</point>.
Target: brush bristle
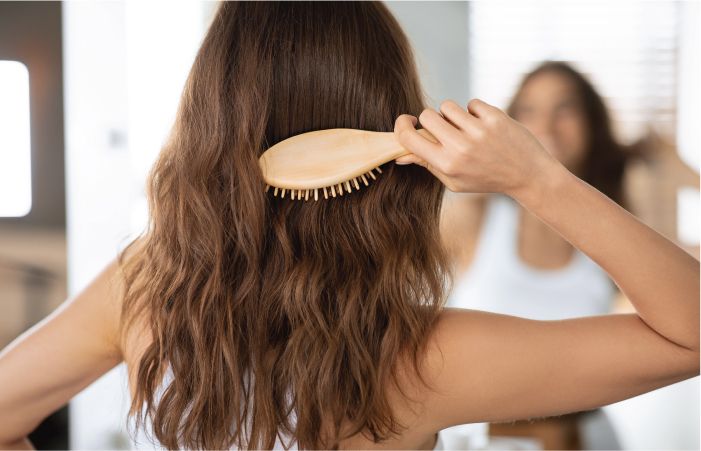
<point>329,191</point>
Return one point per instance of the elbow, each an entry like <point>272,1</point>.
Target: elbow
<point>22,443</point>
<point>693,362</point>
<point>694,350</point>
<point>697,359</point>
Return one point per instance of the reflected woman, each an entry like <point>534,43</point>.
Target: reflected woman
<point>511,262</point>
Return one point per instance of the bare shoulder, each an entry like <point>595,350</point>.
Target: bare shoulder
<point>489,367</point>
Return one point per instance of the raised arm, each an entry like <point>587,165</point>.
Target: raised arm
<point>660,279</point>
<point>500,367</point>
<point>42,369</point>
<point>484,150</point>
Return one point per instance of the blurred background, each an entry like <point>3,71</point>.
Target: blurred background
<point>88,92</point>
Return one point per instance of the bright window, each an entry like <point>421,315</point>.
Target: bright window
<point>15,156</point>
<point>642,57</point>
<point>627,49</point>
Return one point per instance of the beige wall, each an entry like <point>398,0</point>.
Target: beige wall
<point>32,277</point>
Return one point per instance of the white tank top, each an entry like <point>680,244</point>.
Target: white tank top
<point>499,281</point>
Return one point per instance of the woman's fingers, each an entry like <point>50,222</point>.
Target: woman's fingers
<point>443,130</point>
<point>458,116</point>
<point>479,150</point>
<point>482,109</point>
<point>410,159</point>
<point>424,151</point>
<point>412,141</point>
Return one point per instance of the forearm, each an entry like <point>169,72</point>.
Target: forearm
<point>20,444</point>
<point>659,278</point>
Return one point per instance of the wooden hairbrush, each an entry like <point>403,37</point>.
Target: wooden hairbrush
<point>333,161</point>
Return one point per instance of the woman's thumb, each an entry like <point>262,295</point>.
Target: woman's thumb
<point>410,159</point>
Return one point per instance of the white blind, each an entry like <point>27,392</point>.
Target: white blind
<point>627,49</point>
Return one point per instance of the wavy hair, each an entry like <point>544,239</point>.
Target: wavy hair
<point>263,307</point>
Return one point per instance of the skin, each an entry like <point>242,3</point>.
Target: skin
<point>549,107</point>
<point>484,367</point>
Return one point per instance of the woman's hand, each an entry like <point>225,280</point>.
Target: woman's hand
<point>479,150</point>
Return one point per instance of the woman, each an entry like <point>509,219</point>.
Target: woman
<point>511,262</point>
<point>252,321</point>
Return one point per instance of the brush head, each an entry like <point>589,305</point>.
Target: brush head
<point>332,161</point>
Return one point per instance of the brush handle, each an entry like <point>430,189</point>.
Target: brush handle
<point>330,158</point>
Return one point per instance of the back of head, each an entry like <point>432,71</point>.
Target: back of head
<point>316,300</point>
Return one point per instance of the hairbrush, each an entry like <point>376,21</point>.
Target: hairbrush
<point>332,161</point>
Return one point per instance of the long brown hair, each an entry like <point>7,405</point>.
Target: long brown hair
<point>317,301</point>
<point>606,158</point>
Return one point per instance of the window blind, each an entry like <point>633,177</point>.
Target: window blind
<point>628,49</point>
